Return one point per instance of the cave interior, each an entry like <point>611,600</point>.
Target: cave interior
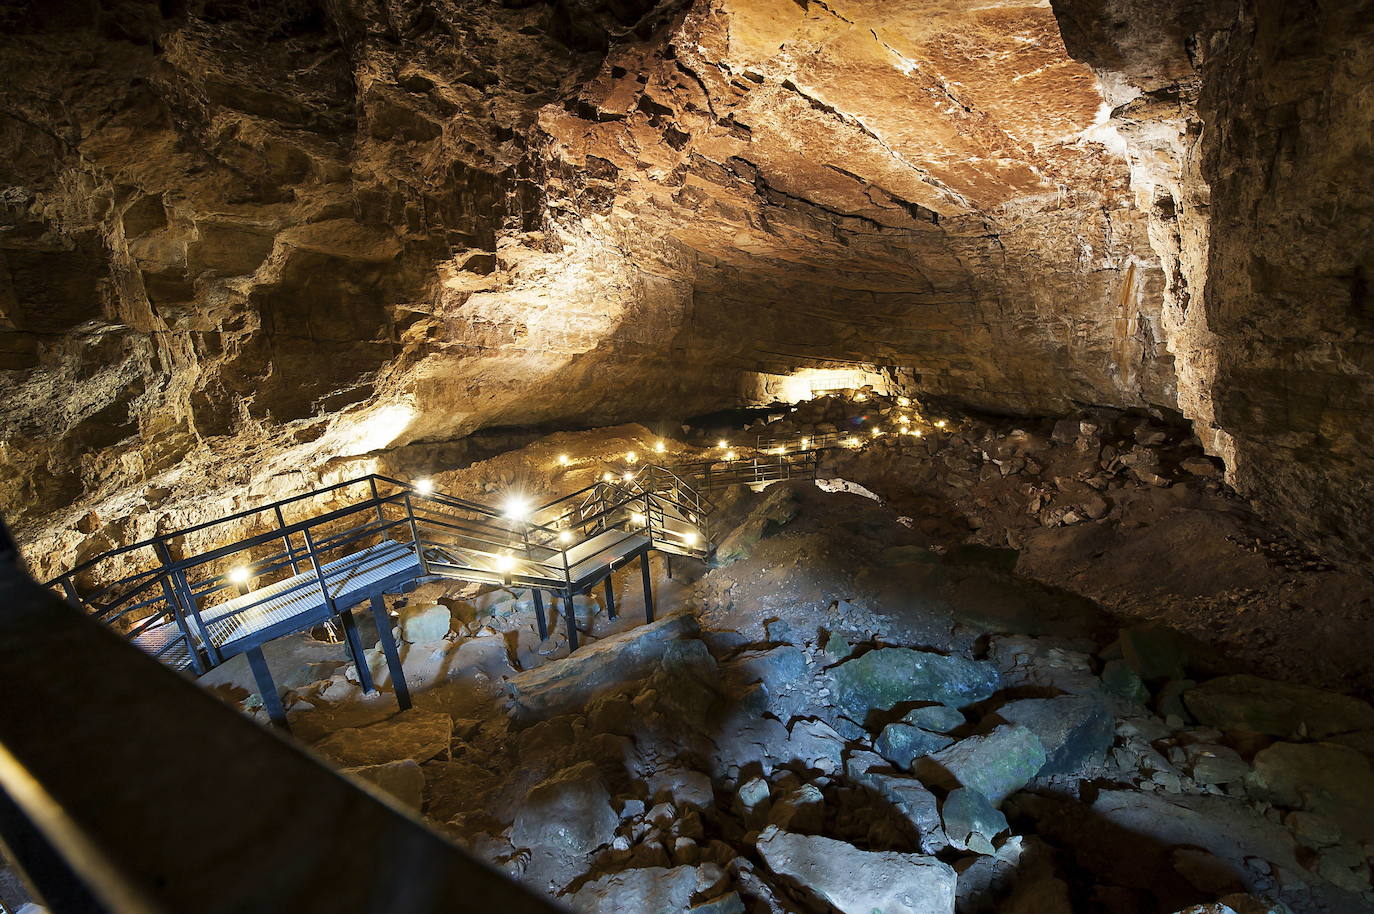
<point>768,456</point>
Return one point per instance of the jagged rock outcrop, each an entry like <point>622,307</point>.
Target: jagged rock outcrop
<point>262,244</point>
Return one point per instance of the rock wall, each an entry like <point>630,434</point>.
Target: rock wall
<point>258,245</point>
<point>1248,128</point>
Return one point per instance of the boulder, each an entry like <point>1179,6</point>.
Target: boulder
<point>425,623</point>
<point>996,764</point>
<point>570,812</point>
<point>1245,702</point>
<point>415,734</point>
<point>404,781</point>
<point>906,795</point>
<point>901,744</point>
<point>659,889</point>
<point>687,789</point>
<point>1213,764</point>
<point>1325,778</point>
<point>856,881</point>
<point>1076,730</point>
<point>971,822</point>
<point>939,718</point>
<point>1121,680</point>
<point>884,678</point>
<point>800,811</point>
<point>775,668</point>
<point>569,684</point>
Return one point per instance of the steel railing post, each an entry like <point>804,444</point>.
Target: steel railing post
<point>286,540</point>
<point>415,534</point>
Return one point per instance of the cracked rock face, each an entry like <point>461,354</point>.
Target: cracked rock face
<point>306,234</point>
<point>267,244</point>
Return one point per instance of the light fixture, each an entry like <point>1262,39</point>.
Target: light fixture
<point>806,442</point>
<point>722,444</point>
<point>690,537</point>
<point>637,519</point>
<point>780,451</point>
<point>660,447</point>
<point>859,398</point>
<point>239,574</point>
<point>505,562</point>
<point>628,477</point>
<point>565,536</point>
<point>940,423</point>
<point>903,401</point>
<point>877,431</point>
<point>852,442</point>
<point>609,477</point>
<point>730,455</point>
<point>631,456</point>
<point>563,459</point>
<point>517,508</point>
<point>917,433</point>
<point>424,486</point>
<point>905,420</point>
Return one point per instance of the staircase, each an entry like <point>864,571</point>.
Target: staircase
<point>209,592</point>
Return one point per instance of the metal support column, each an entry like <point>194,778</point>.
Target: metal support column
<point>570,614</point>
<point>539,615</point>
<point>610,596</point>
<point>648,587</point>
<point>266,687</point>
<point>355,650</point>
<point>393,656</point>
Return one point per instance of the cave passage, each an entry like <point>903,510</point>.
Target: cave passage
<point>719,456</point>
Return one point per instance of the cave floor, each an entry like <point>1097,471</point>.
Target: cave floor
<point>994,609</point>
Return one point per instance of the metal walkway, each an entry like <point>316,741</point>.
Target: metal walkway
<point>707,475</point>
<point>210,592</point>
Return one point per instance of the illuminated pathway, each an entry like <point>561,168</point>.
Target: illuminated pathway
<point>209,592</point>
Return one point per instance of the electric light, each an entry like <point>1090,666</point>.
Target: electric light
<point>563,459</point>
<point>917,433</point>
<point>631,456</point>
<point>628,477</point>
<point>877,431</point>
<point>517,508</point>
<point>730,455</point>
<point>660,447</point>
<point>852,442</point>
<point>690,537</point>
<point>505,562</point>
<point>722,444</point>
<point>805,443</point>
<point>637,519</point>
<point>424,486</point>
<point>859,398</point>
<point>780,451</point>
<point>609,477</point>
<point>565,536</point>
<point>239,575</point>
<point>905,420</point>
<point>903,401</point>
<point>940,424</point>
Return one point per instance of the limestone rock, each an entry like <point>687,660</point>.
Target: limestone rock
<point>1325,778</point>
<point>884,678</point>
<point>569,813</point>
<point>1076,730</point>
<point>422,624</point>
<point>570,683</point>
<point>938,718</point>
<point>403,780</point>
<point>970,821</point>
<point>654,888</point>
<point>901,743</point>
<point>1286,710</point>
<point>860,882</point>
<point>415,734</point>
<point>996,764</point>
